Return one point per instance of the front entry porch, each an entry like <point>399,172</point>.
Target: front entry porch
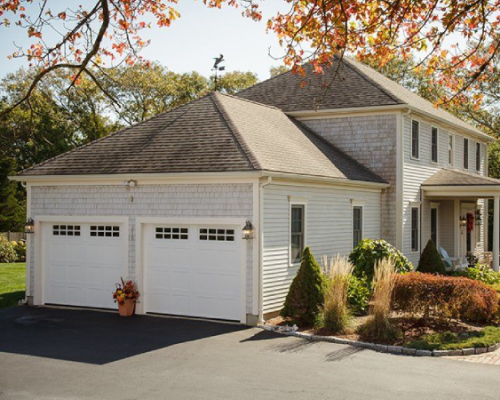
<point>454,215</point>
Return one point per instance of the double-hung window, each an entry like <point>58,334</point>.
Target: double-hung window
<point>415,139</point>
<point>478,157</point>
<point>297,225</point>
<point>466,153</point>
<point>357,225</point>
<point>415,229</point>
<point>434,145</point>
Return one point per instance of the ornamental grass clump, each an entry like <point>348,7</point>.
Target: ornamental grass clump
<point>378,326</point>
<point>336,315</point>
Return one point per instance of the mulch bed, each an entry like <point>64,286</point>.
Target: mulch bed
<point>411,328</point>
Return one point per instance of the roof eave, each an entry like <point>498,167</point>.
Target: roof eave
<point>327,180</point>
<point>454,191</point>
<point>308,114</point>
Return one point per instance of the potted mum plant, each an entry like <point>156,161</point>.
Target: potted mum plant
<point>126,295</point>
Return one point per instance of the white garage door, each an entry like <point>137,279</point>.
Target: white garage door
<point>193,270</point>
<point>82,263</point>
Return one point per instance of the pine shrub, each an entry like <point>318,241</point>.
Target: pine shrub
<point>430,260</point>
<point>307,292</point>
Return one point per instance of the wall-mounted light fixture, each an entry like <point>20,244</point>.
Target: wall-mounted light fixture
<point>130,183</point>
<point>248,231</point>
<point>29,226</point>
<point>463,223</point>
<point>477,217</point>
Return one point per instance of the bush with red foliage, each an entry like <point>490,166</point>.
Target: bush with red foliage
<point>444,297</point>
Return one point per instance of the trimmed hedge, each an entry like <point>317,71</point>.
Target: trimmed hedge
<point>444,297</point>
<point>307,292</point>
<point>366,254</point>
<point>430,261</point>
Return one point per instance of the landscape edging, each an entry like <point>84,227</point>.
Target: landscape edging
<point>380,347</point>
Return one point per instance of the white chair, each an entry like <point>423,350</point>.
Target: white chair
<point>453,263</point>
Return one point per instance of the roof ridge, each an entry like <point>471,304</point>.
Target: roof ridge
<point>118,132</point>
<point>354,68</point>
<point>249,101</point>
<point>265,81</point>
<point>330,144</point>
<point>242,143</point>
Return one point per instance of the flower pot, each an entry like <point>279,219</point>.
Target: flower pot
<point>127,309</point>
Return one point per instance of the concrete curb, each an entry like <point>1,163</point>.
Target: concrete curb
<point>380,347</point>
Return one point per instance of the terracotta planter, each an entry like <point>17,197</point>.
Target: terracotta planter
<point>127,309</point>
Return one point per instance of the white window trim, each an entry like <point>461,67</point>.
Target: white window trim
<point>477,146</point>
<point>435,206</point>
<point>437,145</point>
<point>357,204</point>
<point>411,139</point>
<point>417,207</point>
<point>295,202</point>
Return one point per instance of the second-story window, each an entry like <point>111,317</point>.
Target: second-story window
<point>466,153</point>
<point>415,139</point>
<point>434,145</point>
<point>478,156</point>
<point>450,149</point>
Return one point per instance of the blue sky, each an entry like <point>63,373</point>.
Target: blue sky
<point>191,42</point>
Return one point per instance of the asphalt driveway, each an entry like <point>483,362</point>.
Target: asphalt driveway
<point>71,354</point>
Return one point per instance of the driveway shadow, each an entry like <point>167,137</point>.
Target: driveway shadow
<point>96,337</point>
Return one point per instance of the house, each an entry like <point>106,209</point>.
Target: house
<point>166,201</point>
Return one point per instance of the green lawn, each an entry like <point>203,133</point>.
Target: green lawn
<point>12,283</point>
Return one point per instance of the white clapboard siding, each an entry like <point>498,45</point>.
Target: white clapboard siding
<point>417,171</point>
<point>328,230</point>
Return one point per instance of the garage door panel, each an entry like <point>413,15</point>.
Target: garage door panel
<point>81,270</point>
<point>181,304</point>
<point>77,274</point>
<point>158,301</point>
<point>181,280</point>
<point>196,277</point>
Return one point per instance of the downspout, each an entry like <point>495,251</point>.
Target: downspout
<point>261,242</point>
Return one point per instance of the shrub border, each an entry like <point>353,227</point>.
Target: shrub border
<point>381,348</point>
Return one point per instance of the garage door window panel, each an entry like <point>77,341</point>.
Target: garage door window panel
<point>104,231</point>
<point>171,233</point>
<point>66,230</point>
<point>217,234</point>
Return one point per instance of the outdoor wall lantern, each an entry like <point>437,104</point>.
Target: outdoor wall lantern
<point>248,231</point>
<point>29,227</point>
<point>463,223</point>
<point>477,217</point>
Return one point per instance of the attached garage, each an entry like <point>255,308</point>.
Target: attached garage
<point>194,269</point>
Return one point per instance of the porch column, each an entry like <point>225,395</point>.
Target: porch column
<point>496,232</point>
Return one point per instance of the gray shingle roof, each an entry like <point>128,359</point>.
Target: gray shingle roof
<point>451,177</point>
<point>216,133</point>
<point>341,86</point>
<point>352,85</point>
